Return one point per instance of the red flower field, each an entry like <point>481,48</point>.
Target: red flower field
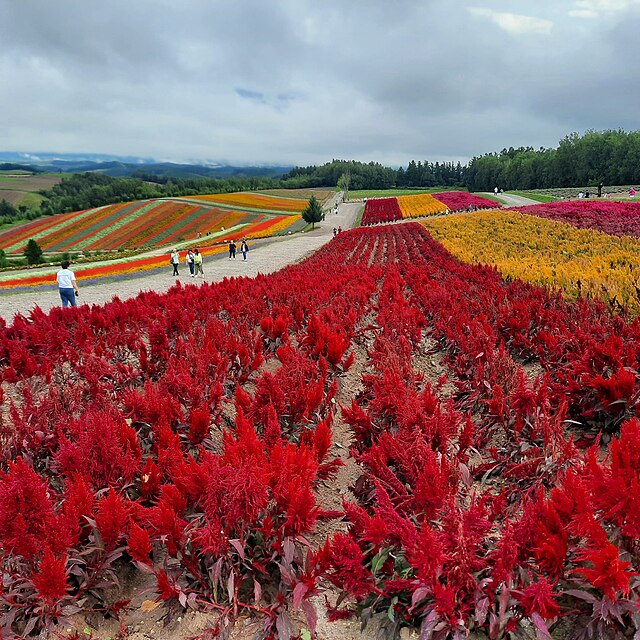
<point>494,426</point>
<point>614,218</point>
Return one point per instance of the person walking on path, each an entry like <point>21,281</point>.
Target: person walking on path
<point>244,247</point>
<point>197,259</point>
<point>190,262</point>
<point>175,261</point>
<point>67,285</point>
<point>232,250</point>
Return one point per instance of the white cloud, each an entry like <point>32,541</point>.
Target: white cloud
<point>593,8</point>
<point>514,23</point>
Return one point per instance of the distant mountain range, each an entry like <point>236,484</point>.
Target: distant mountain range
<point>122,166</point>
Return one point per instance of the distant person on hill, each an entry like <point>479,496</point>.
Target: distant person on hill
<point>67,285</point>
<point>632,193</point>
<point>600,188</point>
<point>175,261</point>
<point>335,232</point>
<point>190,262</point>
<point>197,259</point>
<point>232,250</point>
<point>244,247</point>
<point>495,191</point>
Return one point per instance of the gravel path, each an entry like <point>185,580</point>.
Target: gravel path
<point>511,200</point>
<point>264,257</point>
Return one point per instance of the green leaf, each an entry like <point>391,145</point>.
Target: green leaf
<point>305,634</point>
<point>378,560</point>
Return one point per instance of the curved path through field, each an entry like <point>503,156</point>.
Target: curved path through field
<point>511,200</point>
<point>265,256</point>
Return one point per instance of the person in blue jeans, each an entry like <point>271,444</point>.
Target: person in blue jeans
<point>67,285</point>
<point>244,247</point>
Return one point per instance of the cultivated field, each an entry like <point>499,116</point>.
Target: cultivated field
<point>21,188</point>
<point>156,223</point>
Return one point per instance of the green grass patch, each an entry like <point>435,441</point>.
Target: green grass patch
<point>392,193</point>
<point>358,220</point>
<point>533,195</point>
<point>31,200</point>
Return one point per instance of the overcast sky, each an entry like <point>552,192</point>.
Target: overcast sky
<point>304,81</point>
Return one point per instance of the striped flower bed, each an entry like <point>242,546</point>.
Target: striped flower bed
<point>263,228</point>
<point>256,201</point>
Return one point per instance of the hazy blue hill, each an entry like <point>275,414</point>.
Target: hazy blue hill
<point>124,166</point>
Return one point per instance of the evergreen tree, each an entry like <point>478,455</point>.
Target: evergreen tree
<point>313,212</point>
<point>33,252</point>
<point>3,259</point>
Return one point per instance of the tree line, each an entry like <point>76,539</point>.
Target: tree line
<point>608,157</point>
<point>611,157</point>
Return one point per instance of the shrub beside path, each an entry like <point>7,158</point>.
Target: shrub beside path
<point>264,257</point>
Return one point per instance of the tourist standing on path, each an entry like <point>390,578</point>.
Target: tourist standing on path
<point>197,258</point>
<point>67,285</point>
<point>244,247</point>
<point>232,250</point>
<point>190,262</point>
<point>175,261</point>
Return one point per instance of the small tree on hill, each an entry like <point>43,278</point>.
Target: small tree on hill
<point>3,259</point>
<point>33,252</point>
<point>343,184</point>
<point>313,212</point>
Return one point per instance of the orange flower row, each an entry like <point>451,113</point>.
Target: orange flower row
<point>255,201</point>
<point>420,205</point>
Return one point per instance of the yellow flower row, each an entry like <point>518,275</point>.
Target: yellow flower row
<point>546,252</point>
<point>255,201</point>
<point>420,206</point>
<point>279,225</point>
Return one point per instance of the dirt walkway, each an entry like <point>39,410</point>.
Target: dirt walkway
<point>511,200</point>
<point>264,257</point>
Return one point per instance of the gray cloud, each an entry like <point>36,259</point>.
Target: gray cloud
<point>299,81</point>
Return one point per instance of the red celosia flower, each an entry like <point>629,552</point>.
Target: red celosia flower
<point>538,598</point>
<point>27,520</point>
<point>111,519</point>
<point>166,588</point>
<point>103,446</point>
<point>139,544</point>
<point>51,579</point>
<point>346,566</point>
<point>609,573</point>
<point>199,425</point>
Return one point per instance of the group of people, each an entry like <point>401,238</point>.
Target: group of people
<point>193,258</point>
<point>244,249</point>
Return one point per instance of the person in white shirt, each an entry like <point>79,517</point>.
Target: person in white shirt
<point>67,285</point>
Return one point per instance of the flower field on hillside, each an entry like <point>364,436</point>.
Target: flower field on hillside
<point>134,225</point>
<point>261,226</point>
<point>421,205</point>
<point>256,201</point>
<point>615,218</point>
<point>545,252</point>
<point>494,427</point>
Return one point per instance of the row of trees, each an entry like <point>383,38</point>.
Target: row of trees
<point>611,157</point>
